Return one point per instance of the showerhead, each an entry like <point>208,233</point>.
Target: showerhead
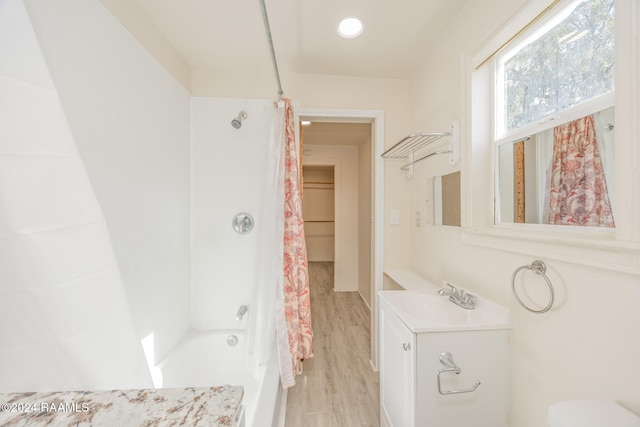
<point>237,122</point>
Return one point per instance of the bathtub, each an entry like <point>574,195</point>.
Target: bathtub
<point>205,359</point>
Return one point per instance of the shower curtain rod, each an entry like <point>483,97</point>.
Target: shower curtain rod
<point>267,28</point>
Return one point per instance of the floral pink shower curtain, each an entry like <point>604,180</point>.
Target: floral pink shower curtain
<point>297,303</point>
<point>578,190</point>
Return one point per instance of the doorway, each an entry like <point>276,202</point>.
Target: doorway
<point>318,207</point>
<point>344,149</point>
<point>341,160</point>
<point>358,198</point>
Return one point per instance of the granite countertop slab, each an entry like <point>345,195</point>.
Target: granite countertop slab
<point>195,407</point>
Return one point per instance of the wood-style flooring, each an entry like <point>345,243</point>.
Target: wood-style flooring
<point>338,387</point>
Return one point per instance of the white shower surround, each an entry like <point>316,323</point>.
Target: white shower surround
<point>132,125</point>
<point>232,173</point>
<point>65,315</point>
<point>228,171</point>
<point>130,121</point>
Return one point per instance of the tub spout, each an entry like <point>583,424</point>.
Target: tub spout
<point>241,312</point>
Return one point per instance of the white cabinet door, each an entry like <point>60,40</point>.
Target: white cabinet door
<point>397,370</point>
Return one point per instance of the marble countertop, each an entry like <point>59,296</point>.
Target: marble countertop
<point>212,407</point>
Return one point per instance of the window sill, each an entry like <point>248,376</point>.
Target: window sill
<point>597,248</point>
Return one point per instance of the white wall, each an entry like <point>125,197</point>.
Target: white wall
<point>228,167</point>
<point>130,121</point>
<point>570,352</point>
<point>141,27</point>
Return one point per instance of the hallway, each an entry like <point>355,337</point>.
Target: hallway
<point>338,387</point>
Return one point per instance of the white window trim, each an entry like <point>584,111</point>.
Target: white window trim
<point>599,103</point>
<point>617,250</point>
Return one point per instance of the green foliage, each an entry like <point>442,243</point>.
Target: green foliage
<point>571,63</point>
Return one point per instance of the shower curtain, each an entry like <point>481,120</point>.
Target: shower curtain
<point>297,303</point>
<point>270,246</point>
<point>577,189</point>
<point>282,299</point>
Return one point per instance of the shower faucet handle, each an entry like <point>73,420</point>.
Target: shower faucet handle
<point>241,312</point>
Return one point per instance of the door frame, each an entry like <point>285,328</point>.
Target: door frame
<point>376,118</point>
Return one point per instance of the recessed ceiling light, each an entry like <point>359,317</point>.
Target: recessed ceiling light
<point>350,27</point>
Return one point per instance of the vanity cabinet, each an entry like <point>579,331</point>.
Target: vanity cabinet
<point>397,370</point>
<point>409,366</point>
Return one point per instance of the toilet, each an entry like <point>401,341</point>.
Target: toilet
<point>591,413</point>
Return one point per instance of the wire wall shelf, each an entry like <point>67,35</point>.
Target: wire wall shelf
<point>406,147</point>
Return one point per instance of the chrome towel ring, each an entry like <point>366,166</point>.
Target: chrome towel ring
<point>539,268</point>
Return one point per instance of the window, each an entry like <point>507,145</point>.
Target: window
<point>486,220</point>
<point>558,73</point>
<point>565,62</point>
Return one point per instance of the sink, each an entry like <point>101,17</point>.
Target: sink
<point>429,312</point>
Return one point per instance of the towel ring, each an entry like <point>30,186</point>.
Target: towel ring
<point>539,268</point>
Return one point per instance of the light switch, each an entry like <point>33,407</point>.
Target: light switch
<point>394,217</point>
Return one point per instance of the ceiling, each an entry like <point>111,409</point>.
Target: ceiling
<point>230,35</point>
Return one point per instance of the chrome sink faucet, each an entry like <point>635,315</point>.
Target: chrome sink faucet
<point>458,296</point>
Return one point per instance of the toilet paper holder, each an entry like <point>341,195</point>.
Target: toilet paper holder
<point>447,360</point>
